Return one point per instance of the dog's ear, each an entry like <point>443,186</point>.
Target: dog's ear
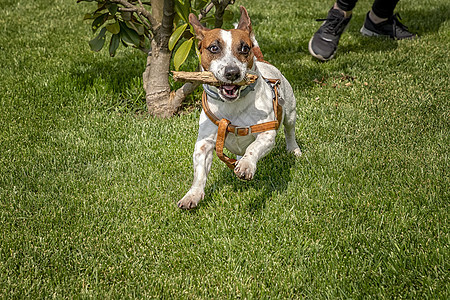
<point>198,27</point>
<point>244,22</point>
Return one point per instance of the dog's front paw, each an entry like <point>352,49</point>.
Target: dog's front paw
<point>297,152</point>
<point>245,169</point>
<point>190,200</point>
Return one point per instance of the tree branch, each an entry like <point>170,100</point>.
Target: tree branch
<point>178,96</point>
<point>140,3</point>
<point>128,9</point>
<point>220,10</point>
<point>208,78</point>
<point>166,28</point>
<point>205,11</point>
<point>140,10</point>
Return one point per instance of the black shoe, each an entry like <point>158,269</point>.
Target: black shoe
<point>391,28</point>
<point>323,44</point>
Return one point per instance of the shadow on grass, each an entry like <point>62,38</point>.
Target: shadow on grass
<point>273,176</point>
<point>115,82</point>
<point>424,21</point>
<point>121,79</point>
<point>114,74</point>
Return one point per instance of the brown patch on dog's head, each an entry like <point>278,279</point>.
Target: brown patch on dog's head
<point>211,44</point>
<point>200,30</point>
<point>206,38</point>
<point>210,47</point>
<point>242,46</point>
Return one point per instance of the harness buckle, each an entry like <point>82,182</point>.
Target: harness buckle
<point>242,127</point>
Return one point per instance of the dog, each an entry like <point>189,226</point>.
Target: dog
<point>229,55</point>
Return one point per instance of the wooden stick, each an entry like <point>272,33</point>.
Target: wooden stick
<point>208,78</point>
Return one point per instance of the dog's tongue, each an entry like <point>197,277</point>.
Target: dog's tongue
<point>229,88</point>
<point>230,91</point>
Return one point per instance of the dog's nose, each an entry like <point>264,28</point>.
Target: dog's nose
<point>232,73</point>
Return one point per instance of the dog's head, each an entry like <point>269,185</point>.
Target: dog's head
<point>228,54</point>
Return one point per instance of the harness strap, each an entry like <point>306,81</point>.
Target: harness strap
<point>225,126</point>
<point>220,142</point>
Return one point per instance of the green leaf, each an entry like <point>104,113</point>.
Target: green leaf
<point>126,15</point>
<point>101,6</point>
<point>228,15</point>
<point>98,42</point>
<point>210,20</point>
<point>128,35</point>
<point>199,4</point>
<point>91,16</point>
<point>182,53</point>
<point>183,9</point>
<point>176,35</point>
<point>113,8</point>
<point>176,19</point>
<point>191,29</point>
<point>136,26</point>
<point>114,44</point>
<point>140,29</point>
<point>199,55</point>
<point>114,28</point>
<point>99,21</point>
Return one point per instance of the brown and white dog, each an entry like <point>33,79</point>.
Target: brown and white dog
<point>229,55</point>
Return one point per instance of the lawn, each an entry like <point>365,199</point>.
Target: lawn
<point>89,183</point>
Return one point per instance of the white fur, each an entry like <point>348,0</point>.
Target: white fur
<point>254,108</point>
<point>217,66</point>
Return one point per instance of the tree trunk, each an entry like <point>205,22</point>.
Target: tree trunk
<point>161,102</point>
<point>156,82</point>
<point>156,74</point>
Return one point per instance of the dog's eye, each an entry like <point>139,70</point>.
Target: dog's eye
<point>244,49</point>
<point>213,49</point>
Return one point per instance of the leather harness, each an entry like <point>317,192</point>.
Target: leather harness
<point>225,126</point>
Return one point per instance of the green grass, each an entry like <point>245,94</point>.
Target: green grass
<point>88,187</point>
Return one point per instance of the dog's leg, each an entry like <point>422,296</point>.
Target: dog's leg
<point>246,166</point>
<point>289,133</point>
<point>290,116</point>
<point>203,156</point>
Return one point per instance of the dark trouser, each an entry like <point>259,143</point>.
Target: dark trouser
<point>382,8</point>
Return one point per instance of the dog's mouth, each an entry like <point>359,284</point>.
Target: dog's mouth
<point>229,92</point>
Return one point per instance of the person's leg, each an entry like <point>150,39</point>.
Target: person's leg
<point>383,9</point>
<point>381,21</point>
<point>345,5</point>
<point>323,44</point>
